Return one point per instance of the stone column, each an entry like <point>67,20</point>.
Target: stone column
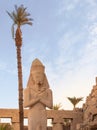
<point>15,122</point>
<point>15,125</point>
<point>58,123</point>
<point>57,126</point>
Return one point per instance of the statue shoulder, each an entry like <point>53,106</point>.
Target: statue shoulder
<point>26,91</point>
<point>49,90</point>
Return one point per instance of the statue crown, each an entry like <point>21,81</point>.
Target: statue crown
<point>37,66</point>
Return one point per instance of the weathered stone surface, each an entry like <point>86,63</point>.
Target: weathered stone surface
<point>90,110</point>
<point>56,115</point>
<point>37,96</point>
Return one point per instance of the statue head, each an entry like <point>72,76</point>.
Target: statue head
<point>37,78</point>
<point>37,72</point>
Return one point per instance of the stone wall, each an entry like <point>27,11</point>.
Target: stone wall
<point>90,110</point>
<point>57,117</point>
<point>80,119</point>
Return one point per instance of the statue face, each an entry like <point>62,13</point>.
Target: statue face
<point>38,78</point>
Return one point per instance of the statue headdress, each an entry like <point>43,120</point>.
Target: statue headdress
<point>37,66</point>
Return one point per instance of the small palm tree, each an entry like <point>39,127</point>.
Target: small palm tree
<point>19,17</point>
<point>67,122</point>
<point>75,100</point>
<point>5,127</point>
<point>57,106</point>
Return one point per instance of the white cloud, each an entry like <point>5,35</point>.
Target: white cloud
<point>92,16</point>
<point>92,2</point>
<point>74,77</point>
<point>7,68</point>
<point>3,65</point>
<point>66,6</point>
<point>93,29</point>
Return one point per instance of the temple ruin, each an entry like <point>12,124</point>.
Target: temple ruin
<point>84,118</point>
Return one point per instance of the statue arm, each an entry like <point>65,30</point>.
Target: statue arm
<point>26,96</point>
<point>48,102</point>
<point>31,102</point>
<point>27,101</point>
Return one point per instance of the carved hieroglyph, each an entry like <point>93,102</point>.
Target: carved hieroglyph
<point>37,96</point>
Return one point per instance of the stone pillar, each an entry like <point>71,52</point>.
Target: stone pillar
<point>73,124</point>
<point>58,123</point>
<point>76,120</point>
<point>57,126</point>
<point>16,125</point>
<point>15,122</point>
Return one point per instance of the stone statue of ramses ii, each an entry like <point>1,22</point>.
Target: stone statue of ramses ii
<point>37,96</point>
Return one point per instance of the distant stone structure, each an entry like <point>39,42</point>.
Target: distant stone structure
<point>90,111</point>
<point>57,117</point>
<point>37,96</point>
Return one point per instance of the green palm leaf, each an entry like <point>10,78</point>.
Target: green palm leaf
<point>75,100</point>
<point>5,127</point>
<point>57,106</point>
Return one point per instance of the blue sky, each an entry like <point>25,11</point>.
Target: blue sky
<point>63,37</point>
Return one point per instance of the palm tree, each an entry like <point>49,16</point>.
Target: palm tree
<point>19,17</point>
<point>57,106</point>
<point>5,127</point>
<point>75,100</point>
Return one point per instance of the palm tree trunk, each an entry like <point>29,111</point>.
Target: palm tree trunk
<point>20,87</point>
<point>18,42</point>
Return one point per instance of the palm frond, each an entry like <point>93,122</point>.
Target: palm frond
<point>20,17</point>
<point>5,127</point>
<point>75,100</point>
<point>57,106</point>
<point>26,21</point>
<point>10,15</point>
<point>12,30</point>
<point>16,8</point>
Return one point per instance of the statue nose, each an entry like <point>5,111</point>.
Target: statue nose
<point>39,83</point>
